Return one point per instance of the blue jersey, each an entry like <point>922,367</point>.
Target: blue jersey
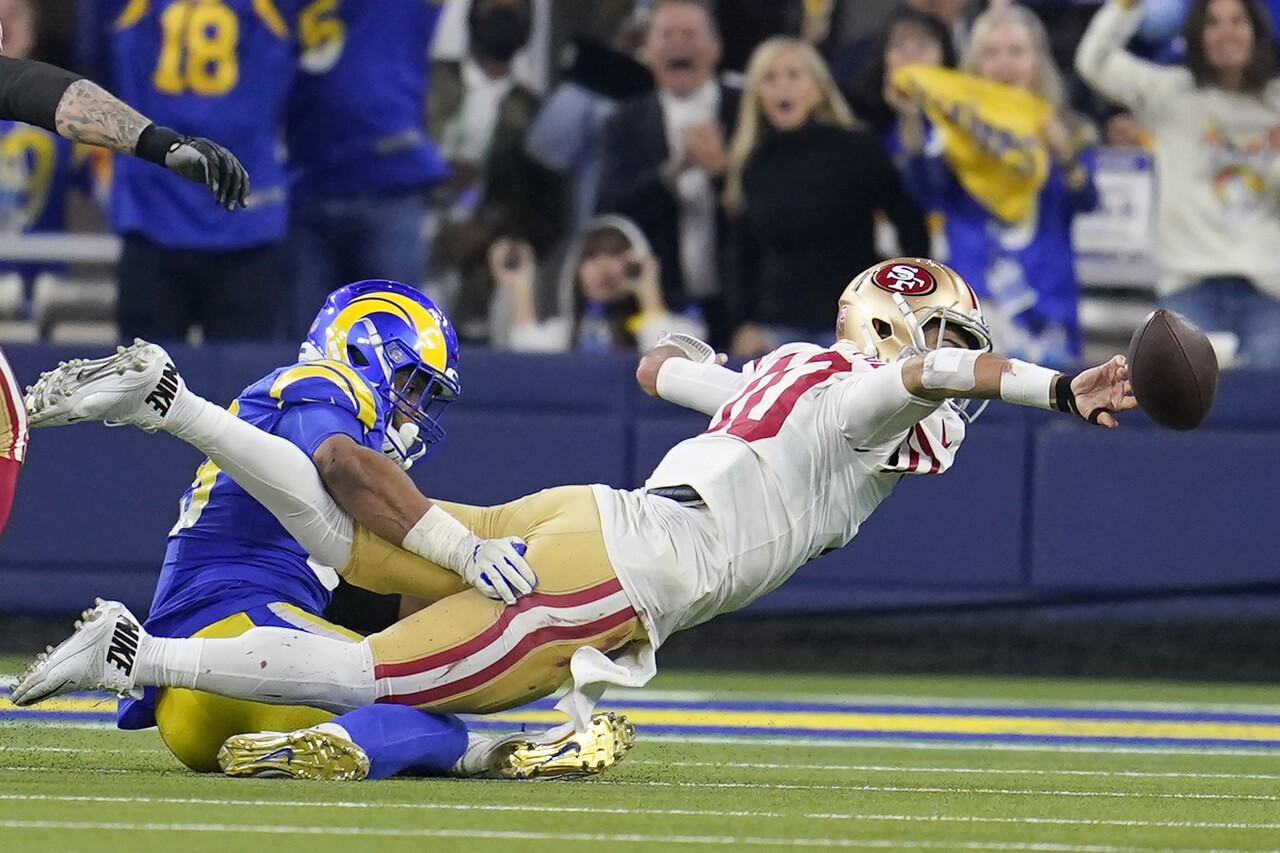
<point>1025,272</point>
<point>228,554</point>
<point>215,68</point>
<point>355,120</point>
<point>37,169</point>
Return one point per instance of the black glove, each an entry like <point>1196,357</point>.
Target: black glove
<point>197,159</point>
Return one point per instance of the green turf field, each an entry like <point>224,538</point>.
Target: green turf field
<point>77,786</point>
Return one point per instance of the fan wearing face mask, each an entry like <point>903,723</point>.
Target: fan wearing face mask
<point>481,113</point>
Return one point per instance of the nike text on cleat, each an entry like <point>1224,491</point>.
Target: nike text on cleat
<point>608,738</point>
<point>136,386</point>
<point>303,754</point>
<point>99,655</point>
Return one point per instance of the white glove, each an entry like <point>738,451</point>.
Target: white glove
<point>402,446</point>
<point>498,569</point>
<point>693,348</point>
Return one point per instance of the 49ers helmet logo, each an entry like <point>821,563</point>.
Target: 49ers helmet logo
<point>907,279</point>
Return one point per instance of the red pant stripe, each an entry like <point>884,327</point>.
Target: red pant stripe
<point>461,650</point>
<point>530,643</point>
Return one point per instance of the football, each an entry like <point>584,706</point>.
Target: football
<point>1173,370</point>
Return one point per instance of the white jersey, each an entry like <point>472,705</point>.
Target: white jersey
<point>790,467</point>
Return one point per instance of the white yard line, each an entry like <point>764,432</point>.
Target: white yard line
<point>550,809</point>
<point>91,750</point>
<point>896,768</point>
<point>609,838</point>
<point>954,791</point>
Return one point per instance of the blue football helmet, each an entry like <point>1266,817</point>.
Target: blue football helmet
<point>398,339</point>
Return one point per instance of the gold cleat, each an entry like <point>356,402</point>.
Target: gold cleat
<point>304,754</point>
<point>608,738</point>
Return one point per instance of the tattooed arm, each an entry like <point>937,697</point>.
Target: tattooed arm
<point>82,111</point>
<point>90,114</point>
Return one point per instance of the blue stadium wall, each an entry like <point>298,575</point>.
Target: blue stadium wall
<point>1037,510</point>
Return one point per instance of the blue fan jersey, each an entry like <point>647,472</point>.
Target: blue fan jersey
<point>214,68</point>
<point>227,553</point>
<point>355,120</point>
<point>37,168</point>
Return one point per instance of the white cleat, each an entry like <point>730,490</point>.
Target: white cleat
<point>558,754</point>
<point>135,386</point>
<point>100,655</point>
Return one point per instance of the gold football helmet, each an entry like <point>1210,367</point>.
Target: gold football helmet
<point>885,309</point>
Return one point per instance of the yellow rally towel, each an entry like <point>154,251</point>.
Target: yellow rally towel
<point>990,135</point>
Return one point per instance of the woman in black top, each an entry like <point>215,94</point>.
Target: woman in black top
<point>806,185</point>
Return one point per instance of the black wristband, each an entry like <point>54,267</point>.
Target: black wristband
<point>155,141</point>
<point>1064,397</point>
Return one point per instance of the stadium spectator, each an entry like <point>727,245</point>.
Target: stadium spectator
<point>567,135</point>
<point>221,69</point>
<point>910,37</point>
<point>1009,176</point>
<point>665,160</point>
<point>851,61</point>
<point>805,184</point>
<point>480,115</point>
<point>609,293</point>
<point>39,170</point>
<point>531,65</point>
<point>746,24</point>
<point>1216,125</point>
<point>360,160</point>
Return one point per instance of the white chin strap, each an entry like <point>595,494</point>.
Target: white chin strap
<point>402,445</point>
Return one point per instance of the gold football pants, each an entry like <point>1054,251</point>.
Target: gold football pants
<point>469,653</point>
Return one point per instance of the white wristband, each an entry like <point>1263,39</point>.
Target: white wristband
<point>442,539</point>
<point>1027,384</point>
<point>950,369</point>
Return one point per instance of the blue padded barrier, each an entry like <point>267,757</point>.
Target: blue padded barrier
<point>1153,509</point>
<point>493,457</point>
<point>1164,511</point>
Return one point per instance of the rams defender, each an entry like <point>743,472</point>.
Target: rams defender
<point>377,368</point>
<point>379,363</point>
<point>802,446</point>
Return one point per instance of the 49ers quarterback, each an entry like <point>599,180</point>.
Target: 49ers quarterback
<point>802,446</point>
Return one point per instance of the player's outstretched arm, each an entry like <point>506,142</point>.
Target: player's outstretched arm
<point>684,370</point>
<point>377,493</point>
<point>1095,395</point>
<point>82,111</point>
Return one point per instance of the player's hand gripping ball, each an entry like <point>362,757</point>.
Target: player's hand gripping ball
<point>1173,370</point>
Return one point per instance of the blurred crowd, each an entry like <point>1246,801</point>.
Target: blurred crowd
<point>574,175</point>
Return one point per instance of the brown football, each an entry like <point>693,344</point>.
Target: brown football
<point>1173,370</point>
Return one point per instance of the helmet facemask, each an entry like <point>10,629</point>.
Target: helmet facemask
<point>404,346</point>
<point>887,310</point>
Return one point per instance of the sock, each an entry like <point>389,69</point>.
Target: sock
<point>400,739</point>
<point>274,471</point>
<point>273,665</point>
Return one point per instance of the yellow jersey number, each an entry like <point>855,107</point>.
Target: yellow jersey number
<point>189,510</point>
<point>198,54</point>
